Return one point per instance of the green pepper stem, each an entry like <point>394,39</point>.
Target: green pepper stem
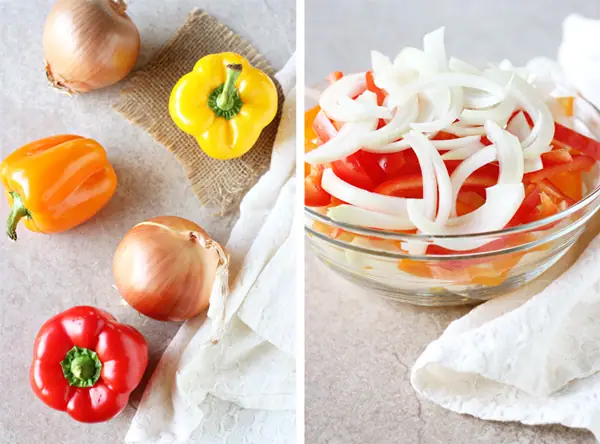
<point>226,99</point>
<point>81,367</point>
<point>18,212</point>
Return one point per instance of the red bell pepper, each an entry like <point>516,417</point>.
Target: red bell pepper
<point>578,141</point>
<point>579,163</point>
<point>86,364</point>
<point>314,194</point>
<point>381,95</point>
<point>334,76</point>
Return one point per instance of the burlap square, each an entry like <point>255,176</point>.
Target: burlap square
<point>218,184</point>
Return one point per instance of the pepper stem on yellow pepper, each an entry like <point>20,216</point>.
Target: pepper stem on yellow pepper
<point>225,100</point>
<point>18,212</point>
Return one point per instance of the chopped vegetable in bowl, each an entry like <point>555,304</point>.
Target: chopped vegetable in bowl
<point>438,158</point>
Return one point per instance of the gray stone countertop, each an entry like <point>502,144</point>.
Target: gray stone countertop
<point>360,348</point>
<point>43,275</point>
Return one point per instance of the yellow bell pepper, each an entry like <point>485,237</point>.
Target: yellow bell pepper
<point>225,103</point>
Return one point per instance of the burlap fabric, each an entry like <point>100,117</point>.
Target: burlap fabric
<point>217,184</point>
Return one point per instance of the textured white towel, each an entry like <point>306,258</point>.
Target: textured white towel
<point>242,389</point>
<point>534,355</point>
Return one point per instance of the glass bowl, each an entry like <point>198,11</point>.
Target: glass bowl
<point>513,257</point>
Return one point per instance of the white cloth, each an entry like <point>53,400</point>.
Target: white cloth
<point>533,359</point>
<point>242,389</point>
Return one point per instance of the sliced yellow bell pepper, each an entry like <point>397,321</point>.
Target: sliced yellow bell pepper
<point>225,103</point>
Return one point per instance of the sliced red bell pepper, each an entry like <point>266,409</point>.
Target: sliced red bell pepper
<point>86,364</point>
<point>334,76</point>
<point>579,163</point>
<point>554,193</point>
<point>360,169</point>
<point>556,156</point>
<point>314,194</point>
<point>577,141</point>
<point>392,163</point>
<point>381,95</point>
<point>569,184</point>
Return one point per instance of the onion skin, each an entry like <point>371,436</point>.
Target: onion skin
<point>162,270</point>
<point>89,44</point>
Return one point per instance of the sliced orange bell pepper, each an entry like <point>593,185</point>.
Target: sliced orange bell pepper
<point>57,183</point>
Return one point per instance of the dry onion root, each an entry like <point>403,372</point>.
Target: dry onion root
<point>169,269</point>
<point>89,44</point>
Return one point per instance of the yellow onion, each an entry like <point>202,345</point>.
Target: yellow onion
<point>89,44</point>
<point>167,267</point>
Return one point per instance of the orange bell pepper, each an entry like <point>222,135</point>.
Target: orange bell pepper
<point>57,183</point>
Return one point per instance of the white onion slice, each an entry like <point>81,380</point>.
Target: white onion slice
<point>441,145</point>
<point>541,135</point>
<point>365,110</point>
<point>348,140</point>
<point>476,99</point>
<point>411,63</point>
<point>424,148</point>
<point>502,202</point>
<point>458,65</point>
<point>452,79</point>
<point>510,153</point>
<point>499,113</point>
<point>433,46</point>
<point>362,198</point>
<point>348,86</point>
<point>464,151</point>
<point>519,127</point>
<point>394,129</point>
<point>460,130</point>
<point>350,214</point>
<point>467,167</point>
<point>453,112</point>
<point>427,173</point>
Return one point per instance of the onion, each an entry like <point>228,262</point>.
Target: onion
<point>502,202</point>
<point>89,44</point>
<point>426,152</point>
<point>462,131</point>
<point>469,166</point>
<point>394,129</point>
<point>169,269</point>
<point>359,216</point>
<point>446,117</point>
<point>458,65</point>
<point>442,145</point>
<point>464,151</point>
<point>499,113</point>
<point>362,198</point>
<point>433,46</point>
<point>348,86</point>
<point>519,127</point>
<point>509,153</point>
<point>349,139</point>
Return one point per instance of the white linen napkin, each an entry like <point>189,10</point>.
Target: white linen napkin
<point>532,356</point>
<point>243,388</point>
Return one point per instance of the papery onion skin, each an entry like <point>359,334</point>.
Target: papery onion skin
<point>89,44</point>
<point>163,271</point>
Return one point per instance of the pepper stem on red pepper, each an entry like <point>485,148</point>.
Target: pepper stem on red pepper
<point>81,367</point>
<point>18,212</point>
<point>225,100</point>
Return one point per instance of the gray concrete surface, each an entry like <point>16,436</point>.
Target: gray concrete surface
<point>43,275</point>
<point>359,348</point>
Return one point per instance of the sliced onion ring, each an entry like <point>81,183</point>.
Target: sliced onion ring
<point>501,204</point>
<point>348,86</point>
<point>350,214</point>
<point>348,140</point>
<point>362,198</point>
